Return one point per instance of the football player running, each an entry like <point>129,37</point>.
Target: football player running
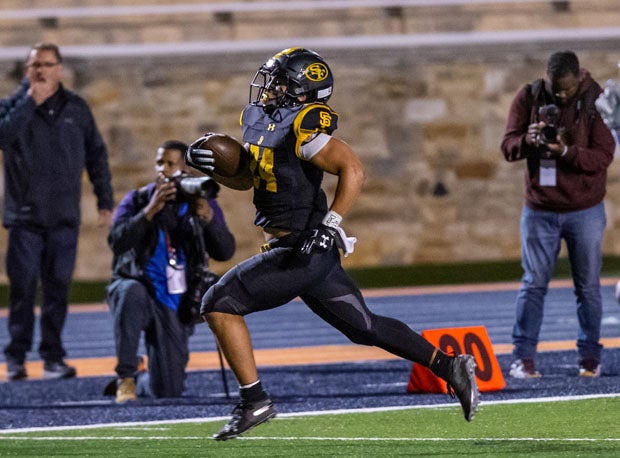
<point>287,129</point>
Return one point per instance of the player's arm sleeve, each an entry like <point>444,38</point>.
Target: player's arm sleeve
<point>313,145</point>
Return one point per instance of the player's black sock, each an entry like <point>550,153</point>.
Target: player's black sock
<point>253,392</point>
<point>441,364</point>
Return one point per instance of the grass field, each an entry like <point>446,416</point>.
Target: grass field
<point>540,428</point>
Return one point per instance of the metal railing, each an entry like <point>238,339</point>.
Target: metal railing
<point>605,37</point>
<point>415,42</point>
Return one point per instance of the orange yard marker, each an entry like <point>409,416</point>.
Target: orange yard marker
<point>472,340</point>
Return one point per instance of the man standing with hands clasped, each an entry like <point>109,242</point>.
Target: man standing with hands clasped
<point>48,137</point>
<point>554,126</point>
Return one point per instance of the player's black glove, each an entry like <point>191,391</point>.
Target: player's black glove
<point>199,158</point>
<point>320,239</point>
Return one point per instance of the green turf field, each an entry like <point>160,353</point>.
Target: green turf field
<point>586,427</point>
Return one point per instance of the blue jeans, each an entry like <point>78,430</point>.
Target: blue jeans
<point>541,235</point>
<point>167,340</point>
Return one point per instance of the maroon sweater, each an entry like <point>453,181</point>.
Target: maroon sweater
<point>582,171</point>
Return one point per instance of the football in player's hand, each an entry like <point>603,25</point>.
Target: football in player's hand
<point>230,156</point>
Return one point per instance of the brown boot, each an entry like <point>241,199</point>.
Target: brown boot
<point>125,390</point>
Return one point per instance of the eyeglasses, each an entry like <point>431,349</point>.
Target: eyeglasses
<point>38,65</point>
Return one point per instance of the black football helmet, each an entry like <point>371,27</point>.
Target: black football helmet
<point>302,71</point>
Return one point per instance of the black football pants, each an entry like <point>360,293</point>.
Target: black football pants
<point>278,276</point>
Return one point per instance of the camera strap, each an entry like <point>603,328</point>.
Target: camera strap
<point>172,252</point>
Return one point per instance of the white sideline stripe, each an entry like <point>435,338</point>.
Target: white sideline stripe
<point>142,424</point>
<point>326,439</point>
<point>439,439</point>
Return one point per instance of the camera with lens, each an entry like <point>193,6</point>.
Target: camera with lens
<point>190,187</point>
<point>549,114</point>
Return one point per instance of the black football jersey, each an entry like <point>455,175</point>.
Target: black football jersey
<point>287,188</point>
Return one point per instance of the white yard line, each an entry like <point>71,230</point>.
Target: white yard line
<point>325,439</point>
<point>4,434</point>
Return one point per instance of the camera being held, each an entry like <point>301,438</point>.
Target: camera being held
<point>189,187</point>
<point>549,114</point>
<point>174,185</point>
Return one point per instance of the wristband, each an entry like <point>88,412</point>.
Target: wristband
<point>332,219</point>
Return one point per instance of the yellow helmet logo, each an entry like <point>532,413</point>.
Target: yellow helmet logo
<point>316,72</point>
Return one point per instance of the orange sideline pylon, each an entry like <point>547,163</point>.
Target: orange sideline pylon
<point>471,340</point>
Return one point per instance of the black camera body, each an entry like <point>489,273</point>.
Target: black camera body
<point>190,187</point>
<point>549,114</point>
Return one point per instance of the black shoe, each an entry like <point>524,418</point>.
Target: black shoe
<point>15,372</point>
<point>57,369</point>
<point>462,383</point>
<point>246,416</point>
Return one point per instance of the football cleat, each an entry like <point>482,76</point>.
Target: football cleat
<point>462,384</point>
<point>246,416</point>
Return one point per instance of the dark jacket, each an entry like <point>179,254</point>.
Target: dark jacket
<point>133,238</point>
<point>45,150</point>
<point>582,172</point>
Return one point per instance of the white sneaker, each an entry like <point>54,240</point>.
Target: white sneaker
<point>524,368</point>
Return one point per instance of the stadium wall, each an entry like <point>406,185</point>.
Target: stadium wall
<point>422,92</point>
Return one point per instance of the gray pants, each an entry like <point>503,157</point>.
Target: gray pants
<point>165,337</point>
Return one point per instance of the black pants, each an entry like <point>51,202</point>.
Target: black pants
<point>49,254</point>
<point>278,276</point>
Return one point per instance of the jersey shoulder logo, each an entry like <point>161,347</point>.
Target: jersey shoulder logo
<point>316,118</point>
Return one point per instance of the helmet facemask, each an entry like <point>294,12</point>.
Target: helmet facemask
<point>266,89</point>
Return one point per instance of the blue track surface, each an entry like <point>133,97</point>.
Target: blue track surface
<point>317,387</point>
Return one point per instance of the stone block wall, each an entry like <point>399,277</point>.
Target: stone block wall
<point>427,127</point>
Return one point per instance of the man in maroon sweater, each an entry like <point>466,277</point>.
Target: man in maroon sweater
<point>553,125</point>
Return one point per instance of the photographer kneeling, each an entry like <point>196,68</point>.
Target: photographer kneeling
<point>162,237</point>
